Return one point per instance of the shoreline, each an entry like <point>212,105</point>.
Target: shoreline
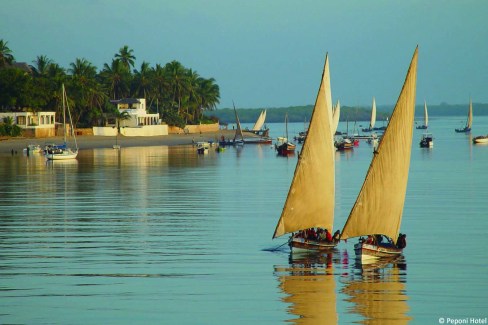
<point>93,142</point>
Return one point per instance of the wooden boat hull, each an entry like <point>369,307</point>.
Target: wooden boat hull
<point>258,141</point>
<point>286,149</point>
<point>370,252</point>
<point>303,245</point>
<point>481,139</point>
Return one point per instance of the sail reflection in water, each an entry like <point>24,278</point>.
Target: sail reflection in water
<point>378,293</point>
<point>309,285</point>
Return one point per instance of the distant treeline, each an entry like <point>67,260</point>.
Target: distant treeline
<point>303,113</point>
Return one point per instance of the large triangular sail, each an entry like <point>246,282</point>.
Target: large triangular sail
<point>260,121</point>
<point>470,115</point>
<point>379,206</point>
<point>310,200</point>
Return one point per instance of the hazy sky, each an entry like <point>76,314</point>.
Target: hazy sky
<point>270,53</point>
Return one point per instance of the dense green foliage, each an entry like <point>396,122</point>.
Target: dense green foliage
<point>178,94</point>
<point>7,128</point>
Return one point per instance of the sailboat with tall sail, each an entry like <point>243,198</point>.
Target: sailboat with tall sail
<point>63,152</point>
<point>261,134</point>
<point>283,146</point>
<point>469,120</point>
<point>377,212</point>
<point>259,127</point>
<point>238,137</point>
<point>311,197</point>
<point>373,118</point>
<point>426,118</point>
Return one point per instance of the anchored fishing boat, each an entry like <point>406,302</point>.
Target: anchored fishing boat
<point>469,120</point>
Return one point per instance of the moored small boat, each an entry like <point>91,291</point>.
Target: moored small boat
<point>481,139</point>
<point>427,140</point>
<point>469,120</point>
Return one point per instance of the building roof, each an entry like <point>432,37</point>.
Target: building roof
<point>126,101</point>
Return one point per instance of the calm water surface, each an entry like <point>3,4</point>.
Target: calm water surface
<point>160,235</point>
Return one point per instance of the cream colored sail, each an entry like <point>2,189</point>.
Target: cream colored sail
<point>310,201</point>
<point>379,205</point>
<point>470,115</point>
<point>426,115</point>
<point>335,117</point>
<point>260,121</point>
<point>373,115</point>
<point>238,135</point>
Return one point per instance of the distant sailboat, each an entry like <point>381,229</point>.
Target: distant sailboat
<point>373,117</point>
<point>257,129</point>
<point>469,120</point>
<point>260,122</point>
<point>336,117</point>
<point>377,212</point>
<point>63,152</point>
<point>426,118</point>
<point>238,137</point>
<point>310,200</point>
<point>283,146</point>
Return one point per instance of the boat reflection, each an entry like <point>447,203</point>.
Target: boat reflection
<point>309,285</point>
<point>378,292</point>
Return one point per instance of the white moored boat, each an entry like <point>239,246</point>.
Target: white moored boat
<point>481,139</point>
<point>63,152</point>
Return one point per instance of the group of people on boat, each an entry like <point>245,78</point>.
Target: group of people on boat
<point>318,234</point>
<point>384,241</point>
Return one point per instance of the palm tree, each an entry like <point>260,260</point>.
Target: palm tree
<point>116,78</point>
<point>177,81</point>
<point>41,65</point>
<point>84,86</point>
<point>142,80</point>
<point>160,83</point>
<point>121,116</point>
<point>6,57</point>
<point>126,56</point>
<point>209,93</point>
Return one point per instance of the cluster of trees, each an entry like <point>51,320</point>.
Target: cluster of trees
<point>180,95</point>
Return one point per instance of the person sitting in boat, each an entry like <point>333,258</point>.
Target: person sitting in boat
<point>328,236</point>
<point>324,235</point>
<point>337,236</point>
<point>402,241</point>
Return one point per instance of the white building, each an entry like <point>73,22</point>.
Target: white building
<point>140,123</point>
<point>34,124</point>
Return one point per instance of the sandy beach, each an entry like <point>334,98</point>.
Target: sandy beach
<point>91,142</point>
